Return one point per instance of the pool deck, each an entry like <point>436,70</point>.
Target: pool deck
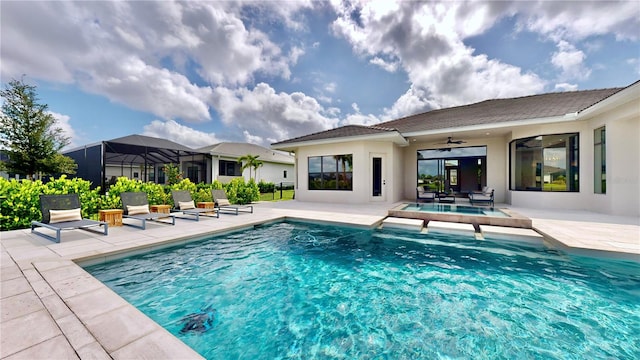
<point>51,308</point>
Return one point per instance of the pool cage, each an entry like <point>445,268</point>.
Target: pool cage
<point>137,157</point>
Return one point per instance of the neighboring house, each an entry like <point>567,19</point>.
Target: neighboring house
<point>278,167</point>
<point>136,157</point>
<point>572,150</point>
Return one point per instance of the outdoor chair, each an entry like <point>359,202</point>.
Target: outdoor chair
<point>483,198</point>
<point>135,205</point>
<point>183,202</point>
<point>223,204</point>
<point>423,195</point>
<point>63,212</point>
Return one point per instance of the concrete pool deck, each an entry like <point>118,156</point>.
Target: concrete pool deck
<point>51,308</point>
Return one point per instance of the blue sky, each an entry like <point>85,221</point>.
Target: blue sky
<point>199,73</point>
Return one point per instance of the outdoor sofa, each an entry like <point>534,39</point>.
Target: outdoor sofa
<point>223,204</point>
<point>482,198</point>
<point>183,202</point>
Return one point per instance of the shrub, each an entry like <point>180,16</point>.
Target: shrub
<point>266,187</point>
<point>239,192</point>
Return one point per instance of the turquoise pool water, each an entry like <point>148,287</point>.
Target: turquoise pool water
<point>455,209</point>
<point>306,291</point>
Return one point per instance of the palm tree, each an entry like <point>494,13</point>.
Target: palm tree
<point>251,162</point>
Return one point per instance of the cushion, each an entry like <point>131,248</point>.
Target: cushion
<point>223,202</point>
<point>56,216</point>
<point>185,205</point>
<point>137,209</point>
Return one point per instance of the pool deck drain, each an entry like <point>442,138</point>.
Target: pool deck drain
<point>49,315</point>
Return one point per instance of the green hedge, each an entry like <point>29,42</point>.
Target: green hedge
<point>20,202</point>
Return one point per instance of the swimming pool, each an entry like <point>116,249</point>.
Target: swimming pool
<point>455,209</point>
<point>311,291</point>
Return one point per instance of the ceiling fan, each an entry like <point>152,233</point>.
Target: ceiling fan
<point>450,141</point>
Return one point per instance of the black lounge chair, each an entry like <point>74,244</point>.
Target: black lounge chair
<point>63,212</point>
<point>424,195</point>
<point>484,198</point>
<point>135,205</point>
<point>223,204</point>
<point>183,202</point>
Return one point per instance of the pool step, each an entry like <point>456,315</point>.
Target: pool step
<point>403,223</point>
<point>451,228</point>
<point>511,234</point>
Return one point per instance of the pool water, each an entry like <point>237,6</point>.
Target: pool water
<point>307,291</point>
<point>455,209</point>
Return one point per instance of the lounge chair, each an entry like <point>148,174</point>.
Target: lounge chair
<point>135,205</point>
<point>483,198</point>
<point>423,195</point>
<point>223,204</point>
<point>183,202</point>
<point>63,212</point>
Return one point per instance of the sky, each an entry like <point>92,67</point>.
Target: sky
<point>203,72</point>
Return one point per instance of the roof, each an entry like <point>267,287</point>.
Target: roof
<point>481,113</point>
<point>140,149</point>
<point>344,131</point>
<point>152,142</point>
<point>237,149</point>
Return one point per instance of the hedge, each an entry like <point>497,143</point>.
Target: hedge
<point>20,201</point>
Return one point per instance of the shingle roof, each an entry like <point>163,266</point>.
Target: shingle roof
<point>343,131</point>
<point>485,112</point>
<point>237,149</point>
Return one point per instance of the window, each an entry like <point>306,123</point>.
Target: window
<point>545,163</point>
<point>285,174</point>
<point>333,172</point>
<point>193,174</point>
<point>599,161</point>
<point>229,168</point>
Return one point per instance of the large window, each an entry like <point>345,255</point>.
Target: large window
<point>230,168</point>
<point>545,163</point>
<point>333,172</point>
<point>599,161</point>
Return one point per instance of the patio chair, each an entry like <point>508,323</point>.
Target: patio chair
<point>223,204</point>
<point>424,195</point>
<point>483,198</point>
<point>183,202</point>
<point>135,205</point>
<point>62,212</point>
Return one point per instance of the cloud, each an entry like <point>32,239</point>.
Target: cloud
<point>63,122</point>
<point>133,52</point>
<point>570,61</point>
<point>387,66</point>
<point>566,87</point>
<point>426,39</point>
<point>263,113</point>
<point>181,134</point>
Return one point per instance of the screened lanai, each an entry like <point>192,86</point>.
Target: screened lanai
<point>136,157</point>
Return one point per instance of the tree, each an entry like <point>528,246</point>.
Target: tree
<point>251,162</point>
<point>28,134</point>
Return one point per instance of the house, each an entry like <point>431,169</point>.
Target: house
<point>144,157</point>
<point>575,150</point>
<point>277,167</point>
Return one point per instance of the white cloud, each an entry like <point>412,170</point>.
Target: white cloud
<point>385,65</point>
<point>269,115</point>
<point>566,87</point>
<point>427,41</point>
<point>181,134</point>
<point>63,122</point>
<point>570,61</point>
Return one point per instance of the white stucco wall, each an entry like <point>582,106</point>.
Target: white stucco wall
<point>362,172</point>
<point>623,164</point>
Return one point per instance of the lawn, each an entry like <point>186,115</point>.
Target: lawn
<point>275,196</point>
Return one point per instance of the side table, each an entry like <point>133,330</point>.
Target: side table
<point>207,205</point>
<point>113,217</point>
<point>162,209</point>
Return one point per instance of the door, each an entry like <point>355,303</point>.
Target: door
<point>378,180</point>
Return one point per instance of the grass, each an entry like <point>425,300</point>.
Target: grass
<point>275,196</point>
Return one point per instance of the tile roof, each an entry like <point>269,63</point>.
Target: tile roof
<point>343,131</point>
<point>484,112</point>
<point>238,149</point>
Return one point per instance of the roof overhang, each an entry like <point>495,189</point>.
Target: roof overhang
<point>628,94</point>
<point>392,136</point>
